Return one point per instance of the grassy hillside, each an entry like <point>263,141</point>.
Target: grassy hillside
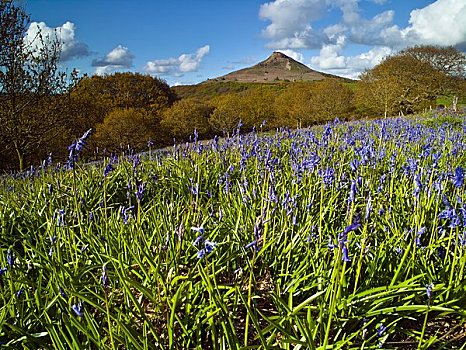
<point>348,236</point>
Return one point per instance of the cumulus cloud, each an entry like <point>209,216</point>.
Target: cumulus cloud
<point>118,58</point>
<point>440,23</point>
<point>178,66</point>
<point>330,60</point>
<point>70,46</point>
<point>297,56</point>
<point>294,24</point>
<point>290,26</point>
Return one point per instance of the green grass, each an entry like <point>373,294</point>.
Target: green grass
<point>289,193</point>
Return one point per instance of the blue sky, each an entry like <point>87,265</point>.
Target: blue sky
<point>189,41</point>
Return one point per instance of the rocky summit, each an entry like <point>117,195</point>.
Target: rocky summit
<point>277,67</point>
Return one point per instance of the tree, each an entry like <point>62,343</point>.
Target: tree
<point>399,84</point>
<point>124,127</point>
<point>94,98</point>
<point>449,60</point>
<point>227,114</point>
<point>331,99</point>
<point>184,116</point>
<point>31,87</point>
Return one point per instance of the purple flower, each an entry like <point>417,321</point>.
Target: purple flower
<point>429,288</point>
<point>61,217</point>
<point>199,229</point>
<point>10,257</point>
<point>345,256</point>
<point>126,212</point>
<point>108,169</point>
<point>3,270</point>
<point>459,177</point>
<point>140,191</point>
<point>62,293</point>
<point>198,240</point>
<point>19,292</point>
<point>353,191</point>
<point>77,147</point>
<point>105,281</point>
<point>78,309</point>
<point>381,330</point>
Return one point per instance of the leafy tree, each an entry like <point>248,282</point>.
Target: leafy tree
<point>184,116</point>
<point>399,84</point>
<point>294,106</point>
<point>227,113</point>
<point>96,97</point>
<point>448,60</point>
<point>124,127</point>
<point>31,87</point>
<point>330,99</point>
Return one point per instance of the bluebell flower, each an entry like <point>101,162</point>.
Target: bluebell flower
<point>198,240</point>
<point>381,330</point>
<point>429,288</point>
<point>345,256</point>
<point>3,270</point>
<point>199,229</point>
<point>77,147</point>
<point>105,280</point>
<point>459,177</point>
<point>19,292</point>
<point>62,293</point>
<point>10,257</point>
<point>61,217</point>
<point>399,250</point>
<point>441,252</point>
<point>126,213</point>
<point>330,243</point>
<point>108,169</point>
<point>209,246</point>
<point>140,191</point>
<point>253,244</point>
<point>78,309</point>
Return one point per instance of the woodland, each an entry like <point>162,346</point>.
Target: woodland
<point>43,109</point>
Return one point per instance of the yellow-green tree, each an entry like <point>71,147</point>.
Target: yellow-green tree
<point>227,113</point>
<point>399,84</point>
<point>184,116</point>
<point>124,127</point>
<point>294,107</point>
<point>331,99</point>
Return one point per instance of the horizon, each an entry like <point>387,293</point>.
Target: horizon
<point>186,43</point>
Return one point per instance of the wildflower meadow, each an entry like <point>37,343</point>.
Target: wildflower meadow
<point>342,236</point>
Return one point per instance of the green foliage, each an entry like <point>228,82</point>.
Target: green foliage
<point>441,119</point>
<point>123,245</point>
<point>185,116</point>
<point>124,127</point>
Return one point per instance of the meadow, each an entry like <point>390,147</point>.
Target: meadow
<point>345,235</point>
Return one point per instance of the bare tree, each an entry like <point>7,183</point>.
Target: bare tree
<point>31,86</point>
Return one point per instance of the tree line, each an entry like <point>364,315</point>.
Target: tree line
<point>42,110</point>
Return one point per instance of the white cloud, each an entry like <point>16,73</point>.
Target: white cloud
<point>118,58</point>
<point>290,26</point>
<point>177,66</point>
<point>293,54</point>
<point>331,61</point>
<point>440,23</point>
<point>70,46</point>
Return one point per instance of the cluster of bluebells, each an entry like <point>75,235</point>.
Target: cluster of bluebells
<point>205,246</point>
<point>76,147</point>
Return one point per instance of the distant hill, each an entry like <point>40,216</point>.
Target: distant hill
<point>276,72</point>
<point>277,68</point>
